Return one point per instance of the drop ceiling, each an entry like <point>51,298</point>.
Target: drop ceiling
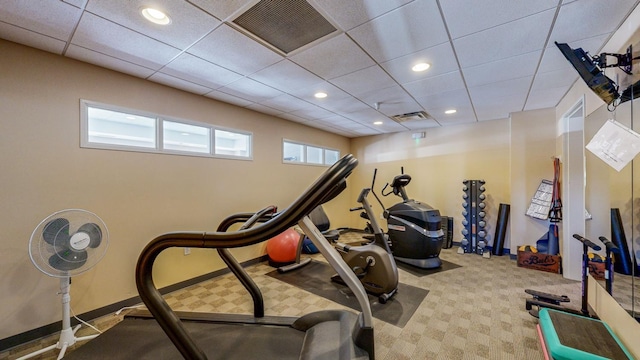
<point>488,58</point>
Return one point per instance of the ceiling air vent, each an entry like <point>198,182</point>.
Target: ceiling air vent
<point>286,25</point>
<point>418,115</point>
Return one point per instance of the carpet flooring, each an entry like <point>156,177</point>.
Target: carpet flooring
<point>474,311</point>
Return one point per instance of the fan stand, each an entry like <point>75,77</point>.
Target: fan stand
<point>67,335</point>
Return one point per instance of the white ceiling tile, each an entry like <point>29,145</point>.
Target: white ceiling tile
<point>497,100</point>
<point>76,3</point>
<point>222,9</point>
<point>389,125</point>
<point>440,57</point>
<point>286,103</point>
<point>436,104</point>
<point>464,114</point>
<point>335,120</point>
<point>435,85</point>
<point>30,38</point>
<point>308,93</point>
<point>554,79</point>
<point>502,69</point>
<point>500,90</point>
<point>311,112</point>
<point>514,38</point>
<point>229,48</point>
<point>463,19</point>
<point>391,101</point>
<point>365,80</point>
<point>394,34</point>
<point>107,61</point>
<point>179,83</point>
<point>366,116</point>
<point>366,131</point>
<point>458,121</point>
<point>250,90</point>
<point>541,99</point>
<point>97,34</point>
<point>355,126</point>
<point>286,76</point>
<point>318,124</point>
<point>346,57</point>
<point>218,95</point>
<point>345,105</point>
<point>51,18</point>
<point>188,22</point>
<point>196,70</point>
<point>585,19</point>
<point>265,109</point>
<point>349,14</point>
<point>294,118</point>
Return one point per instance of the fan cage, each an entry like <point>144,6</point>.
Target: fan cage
<point>40,251</point>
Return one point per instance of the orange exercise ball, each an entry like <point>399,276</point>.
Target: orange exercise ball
<point>282,248</point>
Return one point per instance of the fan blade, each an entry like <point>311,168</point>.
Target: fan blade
<point>94,232</point>
<point>66,259</point>
<point>56,231</point>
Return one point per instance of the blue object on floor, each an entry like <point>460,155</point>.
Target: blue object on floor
<point>548,243</point>
<point>308,247</point>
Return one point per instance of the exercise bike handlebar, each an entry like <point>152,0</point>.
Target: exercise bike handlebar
<point>609,245</point>
<point>587,242</point>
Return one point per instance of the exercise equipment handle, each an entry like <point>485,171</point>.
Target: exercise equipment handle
<point>587,242</point>
<point>611,247</point>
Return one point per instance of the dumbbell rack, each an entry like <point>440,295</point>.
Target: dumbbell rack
<point>473,223</point>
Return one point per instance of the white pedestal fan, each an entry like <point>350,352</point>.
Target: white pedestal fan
<point>65,244</point>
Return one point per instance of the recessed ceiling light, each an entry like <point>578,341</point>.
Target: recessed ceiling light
<point>377,123</point>
<point>156,16</point>
<point>451,111</point>
<point>420,67</point>
<point>320,95</point>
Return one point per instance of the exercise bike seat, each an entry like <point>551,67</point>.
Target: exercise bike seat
<point>321,221</point>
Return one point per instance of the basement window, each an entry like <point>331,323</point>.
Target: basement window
<point>114,128</point>
<point>294,152</point>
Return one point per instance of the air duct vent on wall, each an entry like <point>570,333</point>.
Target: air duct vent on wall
<point>286,25</point>
<point>418,115</point>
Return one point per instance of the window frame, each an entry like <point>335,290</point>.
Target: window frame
<point>159,133</point>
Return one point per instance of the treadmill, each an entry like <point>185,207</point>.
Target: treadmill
<point>161,333</point>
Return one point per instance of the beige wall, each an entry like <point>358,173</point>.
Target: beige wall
<point>438,164</point>
<point>532,153</point>
<point>138,195</point>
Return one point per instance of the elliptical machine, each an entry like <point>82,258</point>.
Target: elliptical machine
<point>372,262</point>
<point>414,228</point>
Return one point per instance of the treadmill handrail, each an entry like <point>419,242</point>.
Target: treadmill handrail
<point>316,194</point>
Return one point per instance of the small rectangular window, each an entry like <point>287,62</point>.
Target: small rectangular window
<point>184,137</point>
<point>314,155</point>
<point>331,156</point>
<point>110,127</point>
<point>232,143</point>
<point>293,152</point>
<point>120,129</point>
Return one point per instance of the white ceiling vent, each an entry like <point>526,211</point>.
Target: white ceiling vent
<point>418,115</point>
<point>286,25</point>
